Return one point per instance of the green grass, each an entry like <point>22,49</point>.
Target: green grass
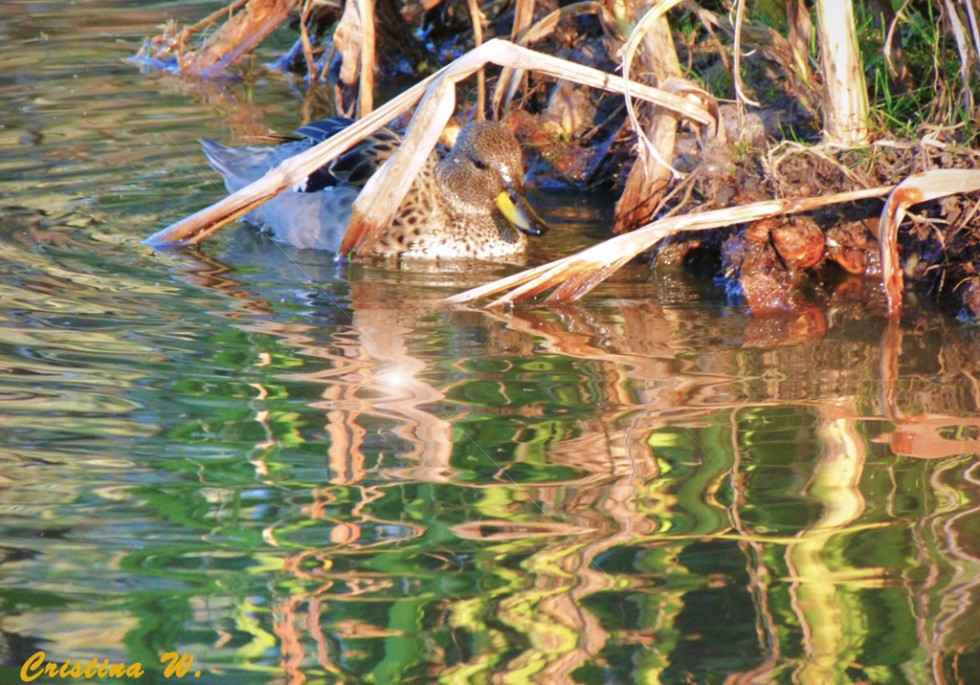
<point>933,62</point>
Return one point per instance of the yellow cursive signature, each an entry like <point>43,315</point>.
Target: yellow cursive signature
<point>36,666</point>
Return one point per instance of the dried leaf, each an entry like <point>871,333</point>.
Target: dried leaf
<point>917,188</point>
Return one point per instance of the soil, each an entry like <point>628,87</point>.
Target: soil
<point>823,258</point>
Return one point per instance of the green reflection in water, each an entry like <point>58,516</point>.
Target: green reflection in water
<point>291,469</point>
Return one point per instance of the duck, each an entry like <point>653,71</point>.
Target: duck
<point>468,204</point>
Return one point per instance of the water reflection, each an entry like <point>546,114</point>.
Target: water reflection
<point>566,495</point>
<point>297,470</point>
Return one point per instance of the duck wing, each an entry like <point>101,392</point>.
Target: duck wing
<point>314,213</point>
<point>240,166</point>
<point>355,166</point>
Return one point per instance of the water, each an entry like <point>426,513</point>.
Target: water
<point>294,471</point>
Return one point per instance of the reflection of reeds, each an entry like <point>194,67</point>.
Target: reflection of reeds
<point>564,572</point>
<point>945,598</point>
<point>922,435</point>
<point>670,457</point>
<point>760,576</point>
<point>822,578</point>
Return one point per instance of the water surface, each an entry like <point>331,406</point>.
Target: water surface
<point>294,470</point>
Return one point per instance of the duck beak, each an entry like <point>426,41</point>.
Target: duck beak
<point>515,208</point>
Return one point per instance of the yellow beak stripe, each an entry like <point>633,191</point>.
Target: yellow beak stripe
<point>509,209</point>
<point>519,213</point>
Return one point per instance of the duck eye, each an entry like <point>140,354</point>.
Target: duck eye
<point>478,163</point>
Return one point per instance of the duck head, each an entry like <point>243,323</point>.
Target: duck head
<point>485,172</point>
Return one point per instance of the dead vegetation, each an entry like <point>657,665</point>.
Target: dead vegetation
<point>787,170</point>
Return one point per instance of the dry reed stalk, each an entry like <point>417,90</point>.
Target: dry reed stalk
<point>380,199</point>
<point>967,56</point>
<point>239,35</point>
<point>304,37</point>
<point>217,15</point>
<point>648,180</point>
<point>354,38</point>
<point>845,100</point>
<point>510,78</point>
<point>740,97</point>
<point>365,91</point>
<point>579,273</point>
<point>655,13</point>
<point>476,19</point>
<point>523,16</point>
<point>928,185</point>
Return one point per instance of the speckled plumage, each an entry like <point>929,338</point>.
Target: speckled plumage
<point>468,205</point>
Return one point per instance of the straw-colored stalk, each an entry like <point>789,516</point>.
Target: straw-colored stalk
<point>740,97</point>
<point>579,273</point>
<point>576,275</point>
<point>649,177</point>
<point>476,19</point>
<point>304,37</point>
<point>354,39</point>
<point>523,15</point>
<point>365,90</point>
<point>239,35</point>
<point>656,13</point>
<point>968,53</point>
<point>929,185</point>
<point>845,94</point>
<point>519,30</point>
<point>379,201</point>
<point>509,79</point>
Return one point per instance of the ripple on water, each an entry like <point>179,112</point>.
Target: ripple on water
<point>272,458</point>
